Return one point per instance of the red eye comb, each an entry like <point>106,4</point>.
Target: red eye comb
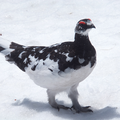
<point>81,22</point>
<point>89,19</point>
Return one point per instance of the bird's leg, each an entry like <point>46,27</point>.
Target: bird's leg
<point>52,102</point>
<point>73,95</point>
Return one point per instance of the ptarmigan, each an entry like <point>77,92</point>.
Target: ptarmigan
<point>59,67</point>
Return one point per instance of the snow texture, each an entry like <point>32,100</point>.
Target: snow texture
<point>46,22</point>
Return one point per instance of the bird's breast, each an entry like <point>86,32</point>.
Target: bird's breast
<point>50,79</point>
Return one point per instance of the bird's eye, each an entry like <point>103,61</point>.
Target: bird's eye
<point>80,27</point>
<point>81,22</point>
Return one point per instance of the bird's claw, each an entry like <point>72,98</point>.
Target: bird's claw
<point>81,109</point>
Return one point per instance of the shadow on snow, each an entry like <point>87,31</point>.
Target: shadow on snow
<point>105,113</point>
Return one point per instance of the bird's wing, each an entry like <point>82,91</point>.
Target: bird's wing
<point>59,54</point>
<point>57,57</point>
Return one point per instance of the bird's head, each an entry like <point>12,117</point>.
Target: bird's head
<point>84,26</point>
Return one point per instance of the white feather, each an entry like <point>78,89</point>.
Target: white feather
<point>43,77</point>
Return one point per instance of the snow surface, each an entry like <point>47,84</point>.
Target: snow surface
<point>46,22</point>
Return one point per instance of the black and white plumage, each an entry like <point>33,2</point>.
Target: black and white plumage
<point>60,67</point>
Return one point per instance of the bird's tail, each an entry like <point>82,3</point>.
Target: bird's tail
<point>7,46</point>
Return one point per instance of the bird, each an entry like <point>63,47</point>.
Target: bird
<point>59,67</point>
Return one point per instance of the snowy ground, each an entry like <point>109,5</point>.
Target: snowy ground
<point>45,22</point>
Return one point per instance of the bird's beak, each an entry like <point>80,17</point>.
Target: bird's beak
<point>92,26</point>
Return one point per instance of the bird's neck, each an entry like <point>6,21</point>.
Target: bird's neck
<point>82,44</point>
<point>81,40</point>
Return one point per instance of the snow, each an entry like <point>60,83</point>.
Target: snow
<point>46,22</point>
